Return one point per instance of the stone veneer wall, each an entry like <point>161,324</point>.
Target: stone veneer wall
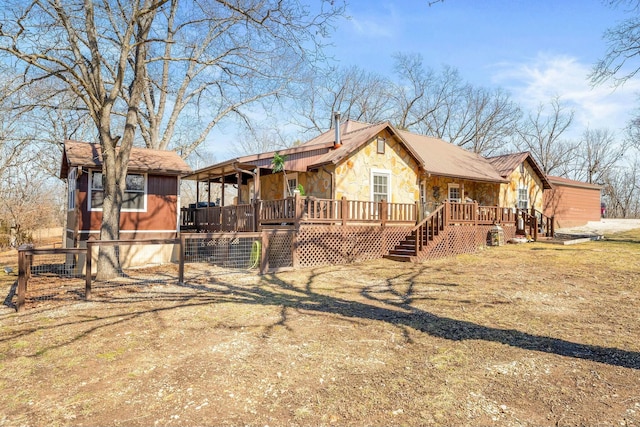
<point>509,192</point>
<point>485,193</point>
<point>353,175</point>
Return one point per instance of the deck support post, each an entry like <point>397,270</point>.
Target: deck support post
<point>344,207</point>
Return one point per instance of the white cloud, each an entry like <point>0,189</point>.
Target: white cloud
<point>547,76</point>
<point>374,22</point>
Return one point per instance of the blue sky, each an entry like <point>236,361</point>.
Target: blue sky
<point>535,49</point>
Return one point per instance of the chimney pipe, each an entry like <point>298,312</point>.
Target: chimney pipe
<point>336,125</point>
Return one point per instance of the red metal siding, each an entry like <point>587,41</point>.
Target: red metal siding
<point>161,213</point>
<point>572,206</point>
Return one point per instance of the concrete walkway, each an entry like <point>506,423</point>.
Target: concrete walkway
<point>604,226</point>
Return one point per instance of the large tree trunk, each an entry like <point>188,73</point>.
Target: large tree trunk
<point>115,163</point>
<point>108,256</point>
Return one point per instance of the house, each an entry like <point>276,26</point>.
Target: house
<point>150,206</point>
<point>572,203</point>
<point>367,163</point>
<point>526,184</point>
<point>391,192</point>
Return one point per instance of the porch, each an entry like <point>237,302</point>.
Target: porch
<point>294,212</point>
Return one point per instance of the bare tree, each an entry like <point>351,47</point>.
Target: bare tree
<point>443,105</point>
<point>621,191</point>
<point>354,92</point>
<point>210,59</point>
<point>122,59</point>
<point>541,134</point>
<point>597,155</point>
<point>619,63</point>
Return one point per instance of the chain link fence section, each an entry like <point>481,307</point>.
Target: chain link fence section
<point>227,250</point>
<point>52,275</point>
<point>72,273</point>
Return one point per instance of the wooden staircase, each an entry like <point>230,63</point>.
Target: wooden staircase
<point>424,235</point>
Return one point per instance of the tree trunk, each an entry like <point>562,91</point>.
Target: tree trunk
<point>108,256</point>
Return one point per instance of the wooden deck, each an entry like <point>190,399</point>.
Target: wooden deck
<point>292,212</point>
<point>295,211</point>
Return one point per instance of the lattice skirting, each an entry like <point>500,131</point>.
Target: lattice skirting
<point>456,240</point>
<point>318,245</point>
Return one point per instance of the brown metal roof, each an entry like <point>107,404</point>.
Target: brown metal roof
<point>507,163</point>
<point>557,180</point>
<point>437,157</point>
<point>445,159</point>
<point>85,154</point>
<point>350,141</point>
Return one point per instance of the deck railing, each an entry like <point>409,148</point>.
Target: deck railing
<point>293,211</point>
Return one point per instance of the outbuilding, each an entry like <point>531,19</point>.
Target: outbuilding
<point>572,203</point>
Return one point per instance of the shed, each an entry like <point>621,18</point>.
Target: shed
<point>572,203</point>
<point>150,206</point>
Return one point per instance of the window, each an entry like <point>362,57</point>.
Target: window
<point>454,192</point>
<point>134,198</point>
<point>291,184</point>
<point>380,185</point>
<point>523,198</point>
<point>381,142</point>
<point>71,183</point>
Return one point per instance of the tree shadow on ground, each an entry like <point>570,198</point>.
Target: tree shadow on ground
<point>395,309</point>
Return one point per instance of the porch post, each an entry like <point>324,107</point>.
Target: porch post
<point>447,213</point>
<point>256,185</point>
<point>222,185</point>
<point>344,207</point>
<point>239,181</point>
<point>383,212</point>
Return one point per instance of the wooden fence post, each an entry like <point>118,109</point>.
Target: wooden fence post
<point>22,278</point>
<point>87,277</point>
<point>264,259</point>
<point>181,258</point>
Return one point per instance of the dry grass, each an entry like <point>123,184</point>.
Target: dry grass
<point>534,334</point>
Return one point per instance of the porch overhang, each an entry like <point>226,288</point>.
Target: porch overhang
<point>214,173</point>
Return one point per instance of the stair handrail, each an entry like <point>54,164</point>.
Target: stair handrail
<point>438,215</point>
<point>546,221</point>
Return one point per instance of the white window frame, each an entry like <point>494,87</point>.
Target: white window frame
<point>145,192</point>
<point>72,180</point>
<point>292,176</point>
<point>524,189</point>
<point>380,172</point>
<point>451,186</point>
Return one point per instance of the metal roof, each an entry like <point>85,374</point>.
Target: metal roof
<point>86,154</point>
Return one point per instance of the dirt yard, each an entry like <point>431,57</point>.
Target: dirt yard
<point>533,334</point>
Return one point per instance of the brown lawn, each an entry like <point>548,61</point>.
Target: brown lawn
<point>535,334</point>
